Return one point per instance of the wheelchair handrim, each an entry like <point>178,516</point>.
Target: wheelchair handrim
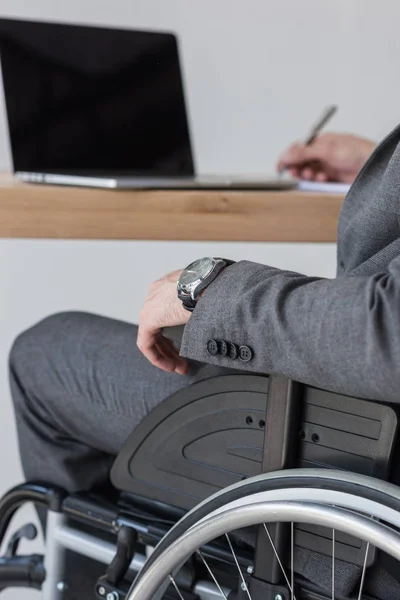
<point>352,483</point>
<point>152,584</point>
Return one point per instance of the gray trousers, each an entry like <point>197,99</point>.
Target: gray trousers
<point>80,386</point>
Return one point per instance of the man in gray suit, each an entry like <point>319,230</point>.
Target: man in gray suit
<point>80,385</point>
<point>80,378</point>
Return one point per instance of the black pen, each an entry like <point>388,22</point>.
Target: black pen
<point>320,124</point>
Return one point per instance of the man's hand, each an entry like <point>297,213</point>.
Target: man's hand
<point>162,309</point>
<point>331,157</point>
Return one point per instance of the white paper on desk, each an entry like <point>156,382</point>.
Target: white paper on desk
<point>317,186</point>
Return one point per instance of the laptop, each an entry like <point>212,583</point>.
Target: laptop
<point>101,107</point>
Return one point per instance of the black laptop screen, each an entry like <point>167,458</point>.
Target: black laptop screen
<point>92,99</point>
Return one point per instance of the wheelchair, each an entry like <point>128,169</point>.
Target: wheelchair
<point>242,487</point>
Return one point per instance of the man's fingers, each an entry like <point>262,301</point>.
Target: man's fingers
<point>147,344</point>
<point>167,345</point>
<point>182,367</point>
<point>307,174</point>
<point>159,359</point>
<point>168,348</point>
<point>321,176</point>
<point>297,156</point>
<point>161,353</point>
<point>287,157</point>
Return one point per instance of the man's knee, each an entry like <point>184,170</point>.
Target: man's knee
<point>37,341</point>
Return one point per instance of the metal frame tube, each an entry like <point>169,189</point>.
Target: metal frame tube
<point>54,562</point>
<point>92,547</point>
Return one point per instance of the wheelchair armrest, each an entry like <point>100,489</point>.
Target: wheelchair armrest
<point>175,334</point>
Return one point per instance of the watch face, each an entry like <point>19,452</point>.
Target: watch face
<point>196,271</point>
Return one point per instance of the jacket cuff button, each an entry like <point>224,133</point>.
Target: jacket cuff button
<point>233,351</point>
<point>245,354</point>
<point>223,348</point>
<point>212,347</point>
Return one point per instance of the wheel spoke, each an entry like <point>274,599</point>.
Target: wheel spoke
<point>363,572</point>
<point>292,560</point>
<point>291,589</point>
<point>333,564</point>
<point>244,584</point>
<point>172,580</point>
<point>212,574</point>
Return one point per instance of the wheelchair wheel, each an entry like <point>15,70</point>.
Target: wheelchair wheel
<point>361,507</point>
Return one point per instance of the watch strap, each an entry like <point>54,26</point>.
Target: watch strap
<point>189,302</point>
<point>208,280</point>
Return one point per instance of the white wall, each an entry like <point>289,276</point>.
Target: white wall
<point>257,74</point>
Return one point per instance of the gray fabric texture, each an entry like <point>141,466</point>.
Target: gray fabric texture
<point>341,334</point>
<point>80,386</point>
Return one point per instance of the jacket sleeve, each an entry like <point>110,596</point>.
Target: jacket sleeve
<point>340,334</point>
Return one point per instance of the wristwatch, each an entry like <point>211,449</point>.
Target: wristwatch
<point>196,277</point>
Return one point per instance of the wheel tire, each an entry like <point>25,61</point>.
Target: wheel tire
<point>362,486</point>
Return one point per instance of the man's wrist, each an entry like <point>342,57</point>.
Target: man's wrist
<point>197,277</point>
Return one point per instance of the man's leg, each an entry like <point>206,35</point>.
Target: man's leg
<point>80,386</point>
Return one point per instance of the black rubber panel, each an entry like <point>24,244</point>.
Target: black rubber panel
<point>346,433</point>
<point>211,435</point>
<point>197,442</point>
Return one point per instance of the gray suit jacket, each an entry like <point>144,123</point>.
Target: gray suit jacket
<point>341,334</point>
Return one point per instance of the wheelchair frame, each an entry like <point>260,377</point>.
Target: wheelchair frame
<point>282,426</point>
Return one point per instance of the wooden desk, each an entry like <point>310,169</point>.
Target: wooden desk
<point>34,211</point>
